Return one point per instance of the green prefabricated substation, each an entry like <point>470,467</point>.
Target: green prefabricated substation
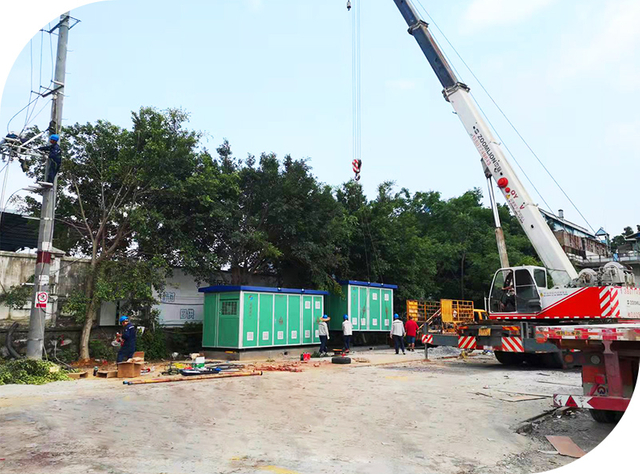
<point>248,317</point>
<point>368,305</point>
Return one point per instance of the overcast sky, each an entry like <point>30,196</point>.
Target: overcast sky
<point>275,75</point>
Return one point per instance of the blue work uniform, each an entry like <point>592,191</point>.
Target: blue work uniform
<point>128,344</point>
<point>55,160</point>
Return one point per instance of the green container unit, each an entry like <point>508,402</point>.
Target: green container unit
<point>368,305</point>
<point>248,317</point>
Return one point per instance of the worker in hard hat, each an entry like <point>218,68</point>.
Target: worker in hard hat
<point>128,338</point>
<point>347,331</point>
<point>55,157</point>
<point>323,334</point>
<point>411,328</point>
<point>397,333</point>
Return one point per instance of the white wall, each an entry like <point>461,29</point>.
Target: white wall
<point>180,302</point>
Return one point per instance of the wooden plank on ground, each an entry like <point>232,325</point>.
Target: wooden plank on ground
<point>523,398</point>
<point>566,446</point>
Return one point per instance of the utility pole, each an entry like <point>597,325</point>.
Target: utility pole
<point>40,303</point>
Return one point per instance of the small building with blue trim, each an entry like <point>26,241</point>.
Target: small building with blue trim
<point>248,317</point>
<point>368,305</point>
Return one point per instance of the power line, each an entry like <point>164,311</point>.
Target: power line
<point>508,121</point>
<point>511,154</point>
<point>41,43</point>
<point>39,112</point>
<point>18,113</point>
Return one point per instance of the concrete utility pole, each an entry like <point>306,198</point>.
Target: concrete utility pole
<point>40,303</point>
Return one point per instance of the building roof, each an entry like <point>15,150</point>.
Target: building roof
<point>632,237</point>
<point>368,283</point>
<point>260,289</point>
<point>565,223</point>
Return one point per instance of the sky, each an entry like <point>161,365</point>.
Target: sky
<point>275,76</point>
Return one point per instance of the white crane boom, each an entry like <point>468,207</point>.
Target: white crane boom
<point>492,157</point>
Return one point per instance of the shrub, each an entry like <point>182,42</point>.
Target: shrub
<point>67,355</point>
<point>153,343</point>
<point>101,350</point>
<point>29,371</point>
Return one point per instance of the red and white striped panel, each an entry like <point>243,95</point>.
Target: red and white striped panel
<point>467,342</point>
<point>427,339</point>
<point>512,344</point>
<point>355,164</point>
<point>597,403</point>
<point>613,332</point>
<point>609,302</point>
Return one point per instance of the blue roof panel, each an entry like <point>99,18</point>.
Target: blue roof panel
<point>260,289</point>
<point>368,283</point>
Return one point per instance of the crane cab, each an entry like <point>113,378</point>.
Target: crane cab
<point>517,290</point>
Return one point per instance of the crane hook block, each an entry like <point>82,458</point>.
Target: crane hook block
<point>356,165</point>
<point>348,5</point>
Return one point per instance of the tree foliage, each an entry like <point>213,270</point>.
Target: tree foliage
<point>141,200</point>
<point>111,182</point>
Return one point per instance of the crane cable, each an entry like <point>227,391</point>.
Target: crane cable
<point>510,123</point>
<point>356,104</point>
<point>355,111</point>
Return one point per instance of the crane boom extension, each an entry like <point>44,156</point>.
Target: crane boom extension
<point>492,157</point>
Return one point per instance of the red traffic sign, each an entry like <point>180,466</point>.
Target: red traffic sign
<point>42,298</point>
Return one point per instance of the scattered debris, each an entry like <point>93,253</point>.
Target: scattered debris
<point>523,398</point>
<point>512,398</point>
<point>288,367</point>
<point>196,377</point>
<point>565,446</point>
<point>559,383</point>
<point>541,395</point>
<point>483,394</point>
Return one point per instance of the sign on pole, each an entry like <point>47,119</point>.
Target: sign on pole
<point>42,298</point>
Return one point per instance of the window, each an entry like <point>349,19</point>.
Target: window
<point>541,277</point>
<point>501,299</point>
<point>527,298</point>
<point>229,308</point>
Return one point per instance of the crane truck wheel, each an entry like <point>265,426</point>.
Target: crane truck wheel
<point>552,360</point>
<point>509,358</point>
<point>606,416</point>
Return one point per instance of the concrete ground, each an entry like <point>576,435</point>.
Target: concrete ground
<point>385,414</point>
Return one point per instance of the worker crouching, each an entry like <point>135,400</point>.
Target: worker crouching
<point>127,338</point>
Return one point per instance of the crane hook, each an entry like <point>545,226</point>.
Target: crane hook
<point>356,165</point>
<point>348,5</point>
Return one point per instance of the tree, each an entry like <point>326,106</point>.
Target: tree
<point>108,190</point>
<point>255,216</point>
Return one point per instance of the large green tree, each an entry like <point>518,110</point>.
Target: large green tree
<point>110,185</point>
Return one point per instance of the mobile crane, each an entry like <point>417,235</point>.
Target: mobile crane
<point>521,298</point>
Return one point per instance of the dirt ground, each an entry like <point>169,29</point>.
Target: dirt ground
<point>387,414</point>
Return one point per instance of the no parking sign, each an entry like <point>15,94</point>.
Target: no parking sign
<point>42,297</point>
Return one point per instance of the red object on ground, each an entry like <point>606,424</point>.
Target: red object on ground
<point>411,327</point>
